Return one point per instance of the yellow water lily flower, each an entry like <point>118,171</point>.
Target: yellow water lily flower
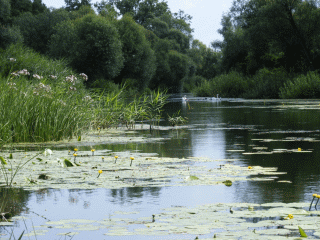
<point>92,150</point>
<point>249,167</point>
<point>102,159</point>
<point>290,216</point>
<point>299,149</point>
<point>100,171</point>
<point>132,158</point>
<point>76,149</point>
<point>115,159</point>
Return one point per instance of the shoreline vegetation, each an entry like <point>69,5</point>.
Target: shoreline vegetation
<point>41,105</point>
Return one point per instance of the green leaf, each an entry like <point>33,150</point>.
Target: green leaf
<point>40,159</point>
<point>302,233</point>
<point>67,163</point>
<point>194,178</point>
<point>3,162</point>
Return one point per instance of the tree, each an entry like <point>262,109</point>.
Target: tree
<point>5,11</point>
<point>91,44</point>
<point>37,29</point>
<point>289,27</point>
<point>73,5</point>
<point>139,58</point>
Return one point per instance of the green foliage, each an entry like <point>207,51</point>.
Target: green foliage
<point>5,12</point>
<point>19,7</point>
<point>91,44</point>
<point>140,61</point>
<point>179,68</point>
<point>302,86</point>
<point>10,35</point>
<point>37,29</point>
<point>176,119</point>
<point>73,5</point>
<point>302,232</point>
<point>41,109</point>
<point>266,83</point>
<point>232,85</point>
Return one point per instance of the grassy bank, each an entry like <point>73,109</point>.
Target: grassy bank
<point>43,100</point>
<point>265,84</point>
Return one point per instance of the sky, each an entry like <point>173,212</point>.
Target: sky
<point>206,15</point>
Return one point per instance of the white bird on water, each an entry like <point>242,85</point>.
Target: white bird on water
<point>184,98</point>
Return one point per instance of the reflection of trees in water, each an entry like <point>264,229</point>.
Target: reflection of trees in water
<point>13,200</point>
<point>124,195</point>
<point>291,124</point>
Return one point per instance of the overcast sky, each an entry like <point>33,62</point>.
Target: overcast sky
<point>206,15</point>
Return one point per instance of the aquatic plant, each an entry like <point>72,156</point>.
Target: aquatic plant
<point>9,179</point>
<point>100,171</point>
<point>132,158</point>
<point>176,119</point>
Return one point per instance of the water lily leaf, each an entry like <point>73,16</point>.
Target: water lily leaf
<point>3,162</point>
<point>67,163</point>
<point>302,232</point>
<point>40,159</point>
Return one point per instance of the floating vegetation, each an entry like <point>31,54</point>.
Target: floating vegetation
<point>57,170</point>
<point>247,220</point>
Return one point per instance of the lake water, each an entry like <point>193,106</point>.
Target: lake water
<point>228,129</point>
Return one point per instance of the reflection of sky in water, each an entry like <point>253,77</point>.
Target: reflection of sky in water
<point>215,128</point>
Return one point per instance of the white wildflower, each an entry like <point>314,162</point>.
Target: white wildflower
<point>53,76</point>
<point>24,72</point>
<point>84,76</point>
<point>87,98</point>
<point>12,59</point>
<point>71,79</point>
<point>37,76</point>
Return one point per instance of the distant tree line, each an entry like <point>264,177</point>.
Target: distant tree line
<point>140,42</point>
<point>266,43</point>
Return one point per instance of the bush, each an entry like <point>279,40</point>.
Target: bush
<point>9,35</point>
<point>232,85</point>
<point>266,83</point>
<point>303,86</point>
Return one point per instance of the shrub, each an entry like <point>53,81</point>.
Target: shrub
<point>303,86</point>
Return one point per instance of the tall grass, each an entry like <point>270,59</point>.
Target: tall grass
<point>43,100</point>
<point>35,108</point>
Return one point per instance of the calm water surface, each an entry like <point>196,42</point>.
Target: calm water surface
<point>215,130</point>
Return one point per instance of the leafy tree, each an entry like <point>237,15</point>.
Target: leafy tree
<point>91,44</point>
<point>106,10</point>
<point>73,5</point>
<point>10,35</point>
<point>179,68</point>
<point>37,29</point>
<point>19,7</point>
<point>5,11</point>
<point>38,7</point>
<point>139,58</point>
<point>289,27</point>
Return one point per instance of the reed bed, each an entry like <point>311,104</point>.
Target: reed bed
<point>43,100</point>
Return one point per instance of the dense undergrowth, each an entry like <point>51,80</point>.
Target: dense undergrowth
<point>43,100</point>
<point>270,84</point>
